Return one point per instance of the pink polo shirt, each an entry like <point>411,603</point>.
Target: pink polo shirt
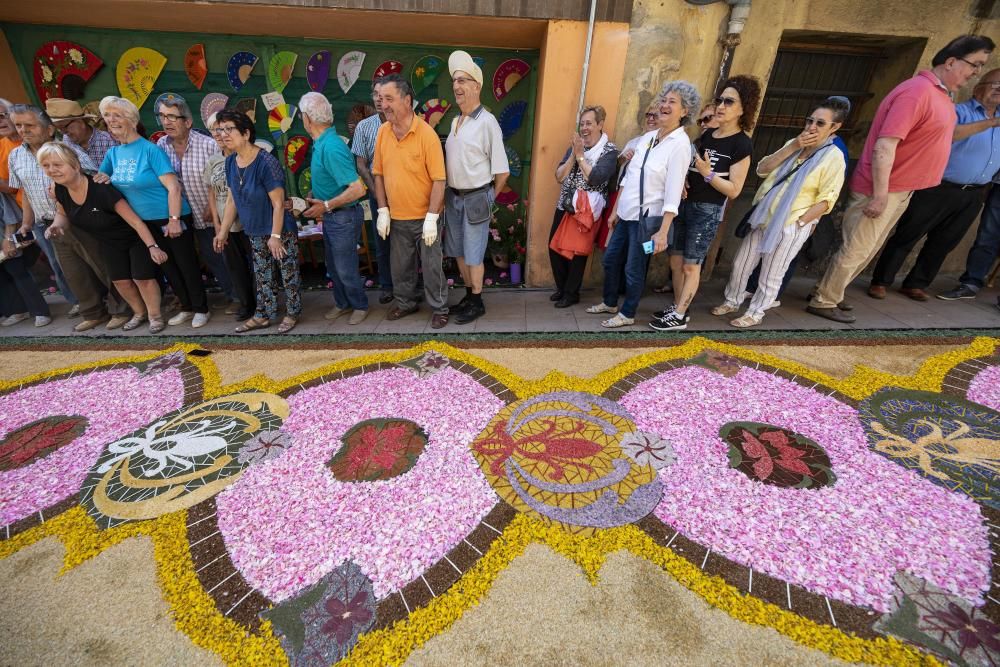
<point>920,113</point>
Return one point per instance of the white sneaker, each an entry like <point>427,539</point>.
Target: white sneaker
<point>602,308</point>
<point>200,320</point>
<point>14,319</point>
<point>180,318</point>
<point>42,320</point>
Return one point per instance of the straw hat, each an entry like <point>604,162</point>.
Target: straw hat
<point>60,109</point>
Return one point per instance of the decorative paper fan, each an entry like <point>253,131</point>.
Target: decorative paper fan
<point>171,100</point>
<point>511,118</point>
<point>295,152</point>
<point>434,110</point>
<point>213,103</point>
<point>349,69</point>
<point>239,68</point>
<point>247,105</point>
<point>137,71</point>
<point>387,68</point>
<point>280,68</point>
<point>62,69</point>
<point>425,72</point>
<point>507,75</point>
<point>264,145</point>
<point>305,182</point>
<point>195,65</point>
<point>156,136</point>
<point>507,196</point>
<point>280,119</point>
<point>514,160</point>
<point>318,70</point>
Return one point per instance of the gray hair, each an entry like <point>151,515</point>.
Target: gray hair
<point>128,109</point>
<point>5,103</point>
<point>179,104</point>
<point>690,98</point>
<point>317,107</point>
<point>37,112</point>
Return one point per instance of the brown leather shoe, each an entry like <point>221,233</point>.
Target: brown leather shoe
<point>914,293</point>
<point>876,291</point>
<point>397,312</point>
<point>439,320</point>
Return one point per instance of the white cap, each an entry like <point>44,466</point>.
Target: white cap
<point>462,61</point>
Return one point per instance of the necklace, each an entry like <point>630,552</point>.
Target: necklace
<point>241,171</point>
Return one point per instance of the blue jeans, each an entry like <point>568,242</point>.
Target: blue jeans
<point>215,261</point>
<point>50,254</point>
<point>694,229</point>
<point>625,249</point>
<point>984,250</point>
<point>341,235</point>
<point>381,250</point>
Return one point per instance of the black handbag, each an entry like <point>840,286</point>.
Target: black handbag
<point>743,226</point>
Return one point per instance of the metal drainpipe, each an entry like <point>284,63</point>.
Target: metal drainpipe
<point>739,11</point>
<point>586,57</point>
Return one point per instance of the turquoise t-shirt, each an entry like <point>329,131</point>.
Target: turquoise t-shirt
<point>135,169</point>
<point>332,166</point>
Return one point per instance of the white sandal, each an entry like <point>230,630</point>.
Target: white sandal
<point>724,309</point>
<point>602,308</point>
<point>618,320</point>
<point>746,321</point>
<point>135,322</point>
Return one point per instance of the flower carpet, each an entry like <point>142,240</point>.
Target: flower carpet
<point>354,509</point>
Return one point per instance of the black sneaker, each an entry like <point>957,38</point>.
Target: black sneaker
<point>960,292</point>
<point>660,314</point>
<point>472,312</point>
<point>672,321</point>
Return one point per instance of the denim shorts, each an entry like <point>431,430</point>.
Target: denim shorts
<point>462,239</point>
<point>693,230</point>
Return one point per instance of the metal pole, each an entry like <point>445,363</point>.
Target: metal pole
<point>586,57</point>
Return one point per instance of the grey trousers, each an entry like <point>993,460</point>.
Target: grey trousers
<point>405,242</point>
<point>82,262</point>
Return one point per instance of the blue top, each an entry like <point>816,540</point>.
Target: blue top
<point>839,143</point>
<point>332,166</point>
<point>253,204</point>
<point>976,159</point>
<point>135,169</point>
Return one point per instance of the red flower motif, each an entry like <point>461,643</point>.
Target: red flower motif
<point>559,448</point>
<point>35,440</point>
<point>766,453</point>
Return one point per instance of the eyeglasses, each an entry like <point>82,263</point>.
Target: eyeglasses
<point>976,67</point>
<point>705,120</point>
<point>462,80</point>
<point>172,117</point>
<point>818,122</point>
<point>994,85</point>
<point>224,130</point>
<point>727,101</point>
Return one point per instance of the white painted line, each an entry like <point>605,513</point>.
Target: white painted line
<point>491,528</point>
<point>673,538</point>
<point>750,585</point>
<point>788,590</point>
<point>473,547</point>
<point>403,598</point>
<point>203,539</point>
<point>453,565</point>
<point>830,609</point>
<point>233,574</point>
<point>705,560</point>
<point>433,594</point>
<point>209,563</point>
<point>201,519</point>
<point>233,608</point>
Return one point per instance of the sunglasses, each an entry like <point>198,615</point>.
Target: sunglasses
<point>705,120</point>
<point>726,101</point>
<point>652,115</point>
<point>818,122</point>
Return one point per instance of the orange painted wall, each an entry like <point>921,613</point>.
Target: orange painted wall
<point>561,66</point>
<point>11,85</point>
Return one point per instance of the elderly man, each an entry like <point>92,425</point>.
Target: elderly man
<point>978,135</point>
<point>907,149</point>
<point>189,153</point>
<point>477,171</point>
<point>69,118</point>
<point>363,148</point>
<point>79,257</point>
<point>409,185</point>
<point>337,191</point>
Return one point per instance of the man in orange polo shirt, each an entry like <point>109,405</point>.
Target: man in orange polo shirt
<point>9,140</point>
<point>409,186</point>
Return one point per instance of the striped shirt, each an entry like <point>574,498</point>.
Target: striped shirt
<point>364,138</point>
<point>28,175</point>
<point>191,171</point>
<point>99,144</point>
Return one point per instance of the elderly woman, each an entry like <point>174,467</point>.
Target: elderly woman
<point>237,254</point>
<point>803,182</point>
<point>257,195</point>
<point>721,163</point>
<point>585,172</point>
<point>99,211</point>
<point>650,198</point>
<point>143,173</point>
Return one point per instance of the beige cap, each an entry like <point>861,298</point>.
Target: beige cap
<point>460,61</point>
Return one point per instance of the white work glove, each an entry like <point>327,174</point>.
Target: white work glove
<point>382,225</point>
<point>430,228</point>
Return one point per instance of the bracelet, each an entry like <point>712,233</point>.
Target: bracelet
<point>174,217</point>
<point>326,206</point>
<point>579,159</point>
<point>150,247</point>
<point>276,236</point>
<point>711,175</point>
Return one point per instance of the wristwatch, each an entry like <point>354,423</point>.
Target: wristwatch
<point>276,236</point>
<point>326,206</point>
<point>150,247</point>
<point>175,217</point>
